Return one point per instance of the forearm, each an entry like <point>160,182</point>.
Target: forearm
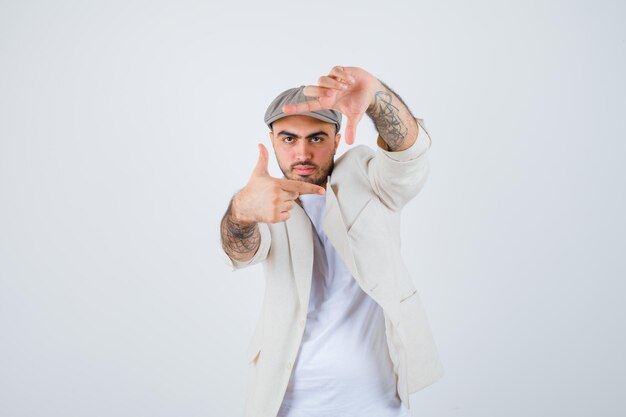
<point>240,240</point>
<point>394,122</point>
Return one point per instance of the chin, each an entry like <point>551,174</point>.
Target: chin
<point>308,178</point>
<point>316,181</point>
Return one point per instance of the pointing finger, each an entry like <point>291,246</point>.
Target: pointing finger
<point>301,187</point>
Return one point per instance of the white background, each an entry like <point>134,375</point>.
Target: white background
<point>126,126</point>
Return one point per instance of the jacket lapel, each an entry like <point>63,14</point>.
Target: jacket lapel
<point>300,234</point>
<point>335,229</point>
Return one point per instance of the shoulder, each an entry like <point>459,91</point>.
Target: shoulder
<point>357,152</point>
<point>350,173</point>
<point>354,158</point>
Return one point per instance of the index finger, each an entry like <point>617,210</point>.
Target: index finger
<point>301,187</point>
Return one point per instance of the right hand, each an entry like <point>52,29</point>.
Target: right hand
<point>266,199</point>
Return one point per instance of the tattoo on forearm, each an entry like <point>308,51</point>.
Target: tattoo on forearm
<point>237,238</point>
<point>386,117</point>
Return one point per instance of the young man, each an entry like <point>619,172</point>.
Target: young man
<point>342,330</point>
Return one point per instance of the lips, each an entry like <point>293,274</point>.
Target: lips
<point>304,169</point>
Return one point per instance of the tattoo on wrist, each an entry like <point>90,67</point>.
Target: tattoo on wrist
<point>238,238</point>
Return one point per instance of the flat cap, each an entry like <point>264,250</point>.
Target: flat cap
<point>296,96</point>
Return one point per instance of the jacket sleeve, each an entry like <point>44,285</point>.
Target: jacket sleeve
<point>397,177</point>
<point>259,256</point>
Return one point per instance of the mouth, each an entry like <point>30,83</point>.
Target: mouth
<point>304,169</point>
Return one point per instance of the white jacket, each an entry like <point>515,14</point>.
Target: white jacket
<point>364,198</point>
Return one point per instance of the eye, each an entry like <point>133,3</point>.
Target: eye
<point>316,139</point>
<point>288,139</point>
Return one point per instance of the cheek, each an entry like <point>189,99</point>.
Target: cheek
<point>324,156</point>
<point>283,156</point>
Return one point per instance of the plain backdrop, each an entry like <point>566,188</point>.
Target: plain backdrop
<point>126,126</point>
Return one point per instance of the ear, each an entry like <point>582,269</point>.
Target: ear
<point>337,139</point>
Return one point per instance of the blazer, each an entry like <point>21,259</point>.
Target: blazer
<point>364,198</point>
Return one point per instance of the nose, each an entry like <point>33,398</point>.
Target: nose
<point>303,150</point>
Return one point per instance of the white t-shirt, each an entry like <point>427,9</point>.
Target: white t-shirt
<point>343,368</point>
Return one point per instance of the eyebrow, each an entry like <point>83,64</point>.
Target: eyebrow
<point>312,135</point>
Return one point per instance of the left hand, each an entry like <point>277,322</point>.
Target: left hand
<point>349,90</point>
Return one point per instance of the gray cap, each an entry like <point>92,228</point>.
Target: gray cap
<point>296,96</point>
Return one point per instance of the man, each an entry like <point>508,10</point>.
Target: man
<point>342,330</point>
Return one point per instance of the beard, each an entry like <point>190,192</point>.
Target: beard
<point>317,177</point>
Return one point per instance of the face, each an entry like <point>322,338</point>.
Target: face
<point>305,148</point>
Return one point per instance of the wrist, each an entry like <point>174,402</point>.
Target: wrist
<point>376,87</point>
<point>236,215</point>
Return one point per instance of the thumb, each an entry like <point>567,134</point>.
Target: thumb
<point>353,121</point>
<point>261,165</point>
